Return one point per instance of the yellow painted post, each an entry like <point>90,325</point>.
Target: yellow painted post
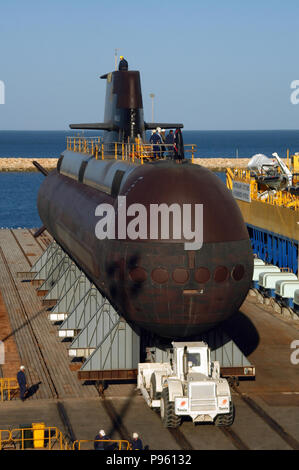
<point>133,152</point>
<point>288,155</point>
<point>115,150</point>
<point>92,147</point>
<point>102,151</point>
<point>97,152</point>
<point>38,435</point>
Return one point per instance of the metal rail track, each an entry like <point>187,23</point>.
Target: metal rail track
<point>277,428</point>
<point>21,248</point>
<point>180,439</point>
<point>66,422</point>
<point>31,330</point>
<point>234,438</point>
<point>37,240</point>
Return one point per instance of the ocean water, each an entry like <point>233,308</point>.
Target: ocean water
<point>18,195</point>
<point>18,191</point>
<point>210,144</point>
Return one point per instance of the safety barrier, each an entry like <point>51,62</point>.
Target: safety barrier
<point>38,436</point>
<point>124,151</point>
<point>8,388</point>
<point>120,444</point>
<point>280,198</point>
<point>4,438</point>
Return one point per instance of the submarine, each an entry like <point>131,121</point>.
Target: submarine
<point>165,286</point>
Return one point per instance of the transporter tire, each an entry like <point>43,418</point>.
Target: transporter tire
<point>167,411</point>
<point>226,419</point>
<point>153,389</point>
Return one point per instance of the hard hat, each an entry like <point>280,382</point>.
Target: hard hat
<point>135,435</point>
<point>159,129</point>
<point>153,131</point>
<point>22,367</point>
<point>102,432</point>
<point>121,57</point>
<point>162,130</point>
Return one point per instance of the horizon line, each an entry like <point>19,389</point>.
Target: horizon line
<point>188,130</point>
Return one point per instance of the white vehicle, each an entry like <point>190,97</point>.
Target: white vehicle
<point>188,385</point>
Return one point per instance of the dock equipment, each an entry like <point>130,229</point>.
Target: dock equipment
<point>110,348</point>
<point>267,281</point>
<point>262,269</point>
<point>285,291</point>
<point>296,300</point>
<point>271,217</point>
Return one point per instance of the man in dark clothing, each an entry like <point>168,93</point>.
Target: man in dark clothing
<point>100,445</point>
<point>178,146</point>
<point>170,141</point>
<point>156,139</point>
<point>21,378</point>
<point>136,442</point>
<point>123,64</point>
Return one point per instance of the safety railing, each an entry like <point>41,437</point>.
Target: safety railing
<point>40,437</point>
<point>35,437</point>
<point>125,151</point>
<point>4,438</point>
<point>8,388</point>
<point>280,198</point>
<point>109,444</point>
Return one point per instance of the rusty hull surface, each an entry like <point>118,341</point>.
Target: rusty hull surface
<point>156,284</point>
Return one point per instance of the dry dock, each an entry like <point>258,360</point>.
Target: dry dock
<point>267,411</point>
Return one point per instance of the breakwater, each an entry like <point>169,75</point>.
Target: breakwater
<point>26,165</point>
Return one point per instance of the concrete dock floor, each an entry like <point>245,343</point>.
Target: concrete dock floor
<point>267,411</point>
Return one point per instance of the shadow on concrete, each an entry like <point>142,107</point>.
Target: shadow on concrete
<point>242,331</point>
<point>32,390</point>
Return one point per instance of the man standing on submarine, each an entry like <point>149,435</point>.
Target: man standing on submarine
<point>123,64</point>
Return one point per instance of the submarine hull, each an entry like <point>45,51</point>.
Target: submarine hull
<point>157,285</point>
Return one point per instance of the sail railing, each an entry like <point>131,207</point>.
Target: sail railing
<point>126,150</point>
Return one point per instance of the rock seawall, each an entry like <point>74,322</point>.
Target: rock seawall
<point>25,164</point>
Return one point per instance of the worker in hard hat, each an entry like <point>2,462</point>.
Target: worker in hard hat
<point>123,64</point>
<point>156,142</point>
<point>136,442</point>
<point>21,378</point>
<point>100,437</point>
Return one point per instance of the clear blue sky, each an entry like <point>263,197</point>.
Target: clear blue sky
<point>213,64</point>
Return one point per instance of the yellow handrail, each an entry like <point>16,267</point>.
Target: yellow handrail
<point>4,438</point>
<point>121,150</point>
<point>41,437</point>
<point>77,444</point>
<point>8,384</point>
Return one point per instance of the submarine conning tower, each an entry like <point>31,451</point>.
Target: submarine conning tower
<point>123,116</point>
<point>123,106</point>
